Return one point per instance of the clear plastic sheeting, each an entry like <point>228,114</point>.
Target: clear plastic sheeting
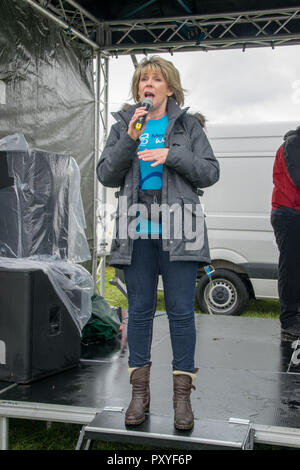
<point>47,95</point>
<point>73,284</point>
<point>41,206</point>
<point>42,222</point>
<point>14,142</point>
<point>47,92</point>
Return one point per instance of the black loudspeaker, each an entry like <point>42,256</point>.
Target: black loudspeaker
<point>38,336</point>
<point>10,235</point>
<point>34,203</point>
<point>5,179</point>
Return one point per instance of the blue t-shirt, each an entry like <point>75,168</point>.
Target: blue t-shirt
<point>151,177</point>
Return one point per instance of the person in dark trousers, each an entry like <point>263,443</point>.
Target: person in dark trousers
<point>162,164</point>
<point>285,219</point>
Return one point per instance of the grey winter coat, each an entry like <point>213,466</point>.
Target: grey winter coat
<point>190,165</point>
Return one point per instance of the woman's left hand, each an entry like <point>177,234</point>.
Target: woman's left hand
<point>157,155</point>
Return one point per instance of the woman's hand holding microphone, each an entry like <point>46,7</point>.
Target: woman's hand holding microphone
<point>159,156</point>
<point>132,131</point>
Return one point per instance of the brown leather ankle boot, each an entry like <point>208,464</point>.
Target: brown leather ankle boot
<point>139,379</point>
<point>182,386</point>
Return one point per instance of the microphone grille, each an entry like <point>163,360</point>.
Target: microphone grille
<point>147,101</point>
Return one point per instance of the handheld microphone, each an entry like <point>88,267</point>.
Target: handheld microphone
<point>141,121</point>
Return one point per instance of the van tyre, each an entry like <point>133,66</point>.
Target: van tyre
<point>227,294</point>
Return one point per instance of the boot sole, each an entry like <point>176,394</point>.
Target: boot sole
<point>137,421</point>
<point>183,427</point>
<point>288,337</point>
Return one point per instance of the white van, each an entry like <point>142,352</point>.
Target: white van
<point>237,208</point>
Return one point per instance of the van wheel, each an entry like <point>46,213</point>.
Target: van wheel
<point>225,295</point>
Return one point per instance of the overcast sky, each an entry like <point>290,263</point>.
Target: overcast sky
<point>229,86</point>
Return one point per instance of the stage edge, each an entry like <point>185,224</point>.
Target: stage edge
<point>264,434</point>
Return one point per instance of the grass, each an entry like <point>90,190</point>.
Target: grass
<point>256,308</point>
<point>36,435</point>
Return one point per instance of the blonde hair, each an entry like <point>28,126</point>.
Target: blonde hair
<point>169,73</point>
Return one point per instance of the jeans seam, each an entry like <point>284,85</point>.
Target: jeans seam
<point>153,313</point>
<point>174,352</point>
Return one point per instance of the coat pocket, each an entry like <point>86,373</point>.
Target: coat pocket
<point>180,139</point>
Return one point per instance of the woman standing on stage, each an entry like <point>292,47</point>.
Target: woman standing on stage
<point>160,226</point>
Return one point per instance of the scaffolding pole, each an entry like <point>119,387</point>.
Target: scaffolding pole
<point>101,202</point>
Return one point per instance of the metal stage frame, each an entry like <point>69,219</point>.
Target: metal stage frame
<point>247,376</point>
<point>268,27</point>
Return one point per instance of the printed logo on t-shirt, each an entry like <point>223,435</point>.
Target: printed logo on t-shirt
<point>155,139</point>
<point>151,177</point>
<point>144,139</point>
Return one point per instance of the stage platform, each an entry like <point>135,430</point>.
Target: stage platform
<point>246,374</point>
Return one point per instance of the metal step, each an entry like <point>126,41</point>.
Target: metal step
<point>159,431</point>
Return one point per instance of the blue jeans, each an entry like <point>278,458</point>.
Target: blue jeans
<point>179,280</point>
